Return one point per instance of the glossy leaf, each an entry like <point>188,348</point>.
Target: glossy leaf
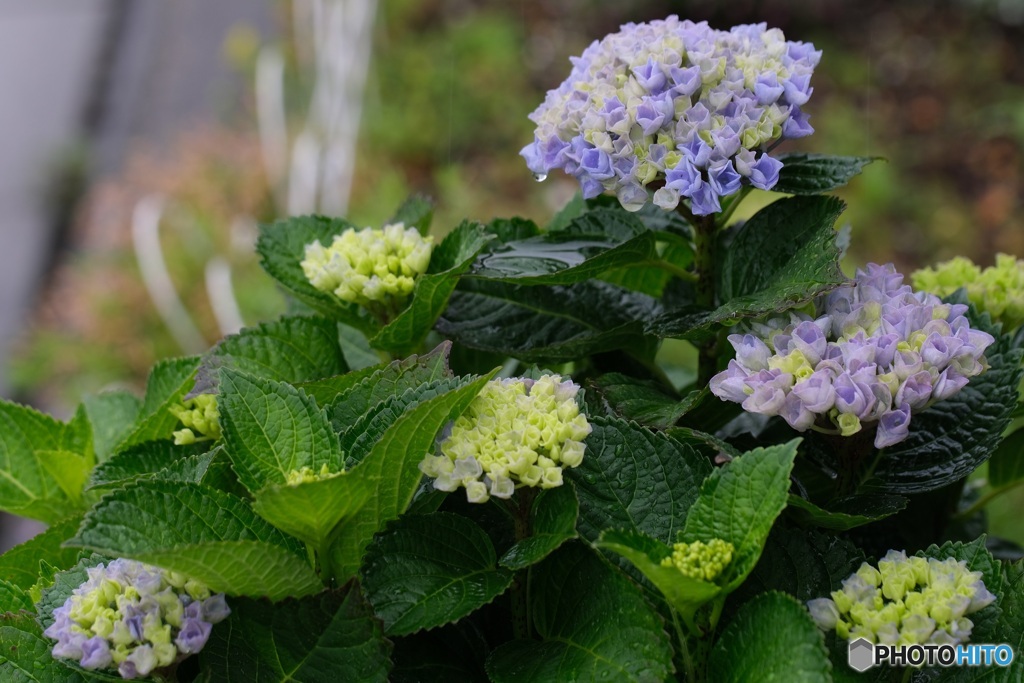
<point>552,523</point>
<point>816,173</point>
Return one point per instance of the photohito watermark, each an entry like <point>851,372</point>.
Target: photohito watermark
<point>863,654</point>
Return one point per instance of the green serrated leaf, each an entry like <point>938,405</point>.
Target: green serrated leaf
<point>430,570</point>
<point>168,382</point>
<point>977,557</point>
<point>139,461</point>
<point>356,348</point>
<point>415,212</point>
<point>64,582</point>
<point>594,624</point>
<point>635,480</point>
<point>282,247</point>
<point>771,638</point>
<point>643,401</point>
<point>25,658</point>
<point>207,534</point>
<point>113,415</point>
<point>685,594</point>
<point>311,511</point>
<point>1006,467</point>
<point>13,598</point>
<point>847,513</point>
<point>552,523</point>
<point>817,173</point>
<point>292,349</point>
<point>952,438</point>
<point>393,462</point>
<point>738,504</point>
<point>781,258</point>
<point>432,290</point>
<point>324,638</point>
<point>357,393</point>
<point>43,462</point>
<point>591,244</point>
<point>539,323</point>
<point>20,565</point>
<point>272,429</point>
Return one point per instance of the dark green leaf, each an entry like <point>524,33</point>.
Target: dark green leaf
<point>549,323</point>
<point>953,437</point>
<point>415,212</point>
<point>142,460</point>
<point>199,531</point>
<point>282,248</point>
<point>324,638</point>
<point>847,513</point>
<point>448,262</point>
<point>634,479</point>
<point>595,626</point>
<point>272,429</point>
<point>25,658</point>
<point>553,522</point>
<point>771,638</point>
<point>113,415</point>
<point>591,244</point>
<point>644,401</point>
<point>1007,464</point>
<point>429,570</point>
<point>781,258</point>
<point>453,654</point>
<point>816,173</point>
<point>738,504</point>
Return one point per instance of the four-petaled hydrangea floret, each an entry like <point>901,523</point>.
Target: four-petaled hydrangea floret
<point>516,432</point>
<point>676,106</point>
<point>372,268</point>
<point>876,353</point>
<point>905,601</point>
<point>305,475</point>
<point>135,618</point>
<point>699,560</point>
<point>200,417</point>
<point>997,290</point>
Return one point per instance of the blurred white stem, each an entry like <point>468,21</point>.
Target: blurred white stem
<point>222,296</point>
<point>271,118</point>
<point>149,254</point>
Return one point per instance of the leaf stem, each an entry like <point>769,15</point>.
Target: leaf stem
<point>985,500</point>
<point>730,207</point>
<point>684,650</point>
<point>704,228</point>
<point>522,505</point>
<point>673,269</point>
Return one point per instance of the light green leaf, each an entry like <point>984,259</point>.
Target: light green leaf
<point>271,429</point>
<point>393,463</point>
<point>738,504</point>
<point>13,598</point>
<point>594,624</point>
<point>113,415</point>
<point>415,212</point>
<point>282,248</point>
<point>356,348</point>
<point>425,571</point>
<point>592,243</point>
<point>685,594</point>
<point>43,462</point>
<point>817,173</point>
<point>772,639</point>
<point>325,638</point>
<point>141,461</point>
<point>552,523</point>
<point>540,323</point>
<point>169,381</point>
<point>207,534</point>
<point>311,511</point>
<point>25,658</point>
<point>432,290</point>
<point>636,480</point>
<point>20,564</point>
<point>1007,464</point>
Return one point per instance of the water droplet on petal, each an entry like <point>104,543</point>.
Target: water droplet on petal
<point>540,177</point>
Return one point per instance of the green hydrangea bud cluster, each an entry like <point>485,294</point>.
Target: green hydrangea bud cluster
<point>134,617</point>
<point>369,267</point>
<point>305,475</point>
<point>516,432</point>
<point>905,601</point>
<point>200,417</point>
<point>700,560</point>
<point>998,289</point>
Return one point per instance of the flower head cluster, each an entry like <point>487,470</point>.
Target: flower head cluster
<point>517,431</point>
<point>675,102</point>
<point>369,267</point>
<point>306,475</point>
<point>998,289</point>
<point>905,601</point>
<point>700,560</point>
<point>200,417</point>
<point>877,352</point>
<point>134,617</point>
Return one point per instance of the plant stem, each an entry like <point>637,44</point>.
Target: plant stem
<point>704,268</point>
<point>522,505</point>
<point>684,650</point>
<point>672,269</point>
<point>985,500</point>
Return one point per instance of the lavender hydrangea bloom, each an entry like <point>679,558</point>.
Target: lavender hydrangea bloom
<point>677,106</point>
<point>135,618</point>
<point>877,352</point>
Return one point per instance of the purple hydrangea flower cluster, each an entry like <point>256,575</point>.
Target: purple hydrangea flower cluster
<point>876,353</point>
<point>675,102</point>
<point>134,617</point>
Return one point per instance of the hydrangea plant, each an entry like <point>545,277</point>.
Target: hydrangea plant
<point>481,460</point>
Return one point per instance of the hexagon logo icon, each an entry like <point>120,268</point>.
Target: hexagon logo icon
<point>861,655</point>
